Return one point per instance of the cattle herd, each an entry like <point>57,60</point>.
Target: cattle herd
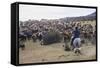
<point>52,31</point>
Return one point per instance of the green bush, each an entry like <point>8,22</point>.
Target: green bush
<point>52,37</point>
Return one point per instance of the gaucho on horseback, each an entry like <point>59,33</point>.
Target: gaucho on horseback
<point>75,41</point>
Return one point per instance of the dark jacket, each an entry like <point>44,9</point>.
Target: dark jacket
<point>76,33</point>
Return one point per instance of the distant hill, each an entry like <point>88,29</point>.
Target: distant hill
<point>80,18</point>
<point>93,14</point>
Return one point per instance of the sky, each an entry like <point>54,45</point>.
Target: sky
<point>38,12</point>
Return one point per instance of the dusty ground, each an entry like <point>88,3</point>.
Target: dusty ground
<point>35,53</point>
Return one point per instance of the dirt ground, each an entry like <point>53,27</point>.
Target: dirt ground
<point>35,53</point>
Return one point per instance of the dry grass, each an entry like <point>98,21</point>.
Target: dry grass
<point>35,53</point>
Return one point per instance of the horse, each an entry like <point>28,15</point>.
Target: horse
<point>66,36</point>
<point>76,45</point>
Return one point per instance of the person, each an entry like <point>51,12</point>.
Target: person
<point>75,35</point>
<point>66,40</point>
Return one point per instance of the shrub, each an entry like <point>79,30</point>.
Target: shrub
<point>52,37</point>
